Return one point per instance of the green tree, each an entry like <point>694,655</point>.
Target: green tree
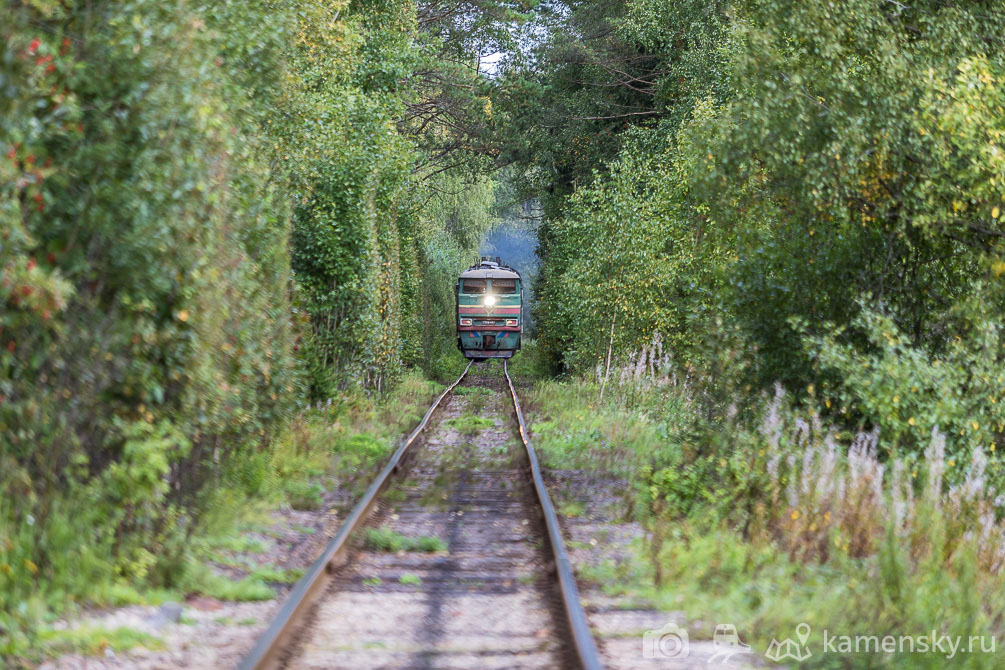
<point>872,144</point>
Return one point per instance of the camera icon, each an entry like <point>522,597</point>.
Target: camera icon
<point>670,641</point>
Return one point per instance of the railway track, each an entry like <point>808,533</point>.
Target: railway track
<point>453,558</point>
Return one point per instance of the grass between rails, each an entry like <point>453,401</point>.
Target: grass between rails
<point>765,518</point>
<point>386,539</point>
<point>338,445</point>
<point>469,424</point>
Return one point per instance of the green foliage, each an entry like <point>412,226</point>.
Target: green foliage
<point>347,441</point>
<point>147,344</point>
<point>352,167</point>
<point>906,394</point>
<point>804,175</point>
<point>95,641</point>
<point>629,260</point>
<point>472,392</point>
<point>854,161</point>
<point>382,226</point>
<point>386,539</point>
<point>304,495</point>
<point>718,576</point>
<point>529,363</point>
<point>276,575</point>
<point>596,71</point>
<point>469,424</point>
<point>824,211</point>
<point>249,589</point>
<point>641,438</point>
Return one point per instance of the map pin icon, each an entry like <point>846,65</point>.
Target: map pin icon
<point>803,633</point>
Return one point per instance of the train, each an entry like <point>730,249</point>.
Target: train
<point>489,310</point>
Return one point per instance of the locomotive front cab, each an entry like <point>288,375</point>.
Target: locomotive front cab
<point>489,303</point>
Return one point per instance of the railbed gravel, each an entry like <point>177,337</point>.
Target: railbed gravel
<point>487,601</point>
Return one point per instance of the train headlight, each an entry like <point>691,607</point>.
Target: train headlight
<point>510,322</point>
<point>489,300</point>
<point>465,322</point>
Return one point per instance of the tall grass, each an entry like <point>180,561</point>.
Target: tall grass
<point>766,514</point>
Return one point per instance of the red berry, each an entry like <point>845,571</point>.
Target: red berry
<point>31,263</point>
<point>35,43</point>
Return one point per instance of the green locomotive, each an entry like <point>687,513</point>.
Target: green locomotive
<point>489,302</point>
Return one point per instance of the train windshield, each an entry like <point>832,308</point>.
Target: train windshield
<point>504,286</point>
<point>474,286</point>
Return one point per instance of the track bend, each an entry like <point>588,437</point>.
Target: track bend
<point>496,590</point>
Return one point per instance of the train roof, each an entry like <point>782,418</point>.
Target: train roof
<point>487,269</point>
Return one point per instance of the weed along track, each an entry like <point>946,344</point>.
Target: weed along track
<point>453,558</point>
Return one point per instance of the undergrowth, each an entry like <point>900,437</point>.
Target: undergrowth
<point>339,444</point>
<point>766,515</point>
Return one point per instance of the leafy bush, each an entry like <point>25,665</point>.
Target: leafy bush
<point>906,394</point>
<point>144,291</point>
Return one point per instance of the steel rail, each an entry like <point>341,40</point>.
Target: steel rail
<point>579,627</point>
<point>270,644</point>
